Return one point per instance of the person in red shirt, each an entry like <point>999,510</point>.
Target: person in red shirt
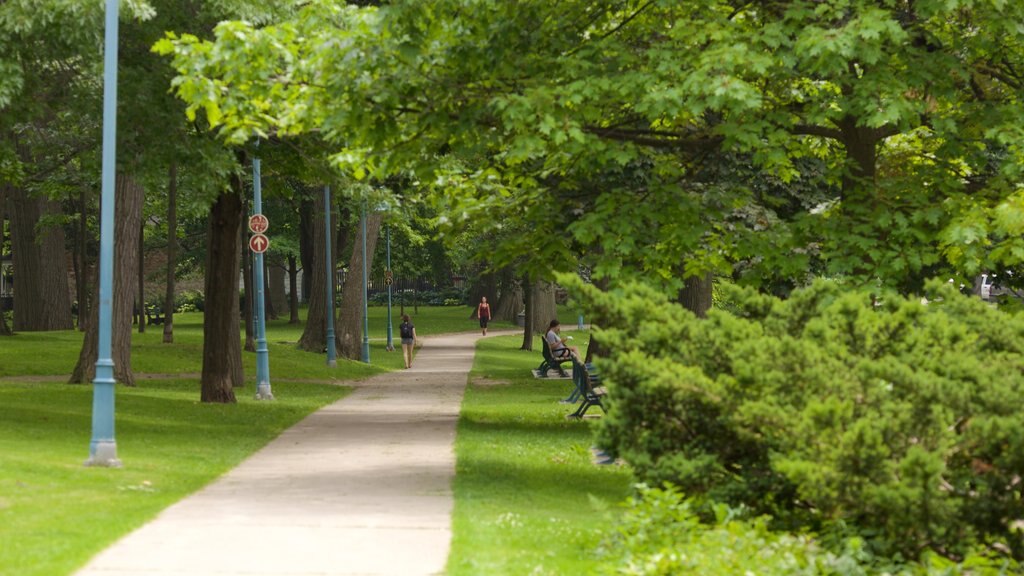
<point>483,312</point>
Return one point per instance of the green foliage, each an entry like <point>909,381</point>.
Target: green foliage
<point>662,534</point>
<point>901,420</point>
<point>622,114</point>
<point>190,301</point>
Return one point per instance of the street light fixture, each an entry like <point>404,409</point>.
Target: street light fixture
<point>389,280</point>
<point>262,353</point>
<point>366,318</point>
<point>103,446</point>
<point>332,359</point>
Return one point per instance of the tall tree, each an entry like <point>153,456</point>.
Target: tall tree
<point>5,329</point>
<point>172,252</point>
<point>37,247</point>
<point>222,356</point>
<point>350,326</point>
<point>127,217</point>
<point>314,335</point>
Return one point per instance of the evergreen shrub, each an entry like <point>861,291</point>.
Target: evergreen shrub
<point>834,411</point>
<point>660,533</point>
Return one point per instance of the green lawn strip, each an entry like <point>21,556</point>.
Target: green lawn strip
<point>55,353</point>
<point>528,499</point>
<point>55,513</point>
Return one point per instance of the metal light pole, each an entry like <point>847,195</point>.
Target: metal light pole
<point>262,354</point>
<point>332,353</point>
<point>366,317</point>
<point>390,281</point>
<point>103,447</point>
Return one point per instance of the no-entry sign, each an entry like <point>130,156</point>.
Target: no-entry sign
<point>259,243</point>
<point>258,224</point>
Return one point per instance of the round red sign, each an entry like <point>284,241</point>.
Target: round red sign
<point>258,223</point>
<point>259,243</point>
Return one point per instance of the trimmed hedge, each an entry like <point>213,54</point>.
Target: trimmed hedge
<point>899,421</point>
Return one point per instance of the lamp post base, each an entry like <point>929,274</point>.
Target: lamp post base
<point>263,392</point>
<point>104,456</point>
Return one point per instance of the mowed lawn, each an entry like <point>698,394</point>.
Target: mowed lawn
<point>528,497</point>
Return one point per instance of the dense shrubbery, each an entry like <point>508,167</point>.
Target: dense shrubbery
<point>190,301</point>
<point>897,421</point>
<point>439,297</point>
<point>660,534</point>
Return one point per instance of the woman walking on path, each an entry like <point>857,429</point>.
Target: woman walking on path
<point>408,333</point>
<point>483,312</point>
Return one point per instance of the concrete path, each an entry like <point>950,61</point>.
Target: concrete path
<point>361,487</point>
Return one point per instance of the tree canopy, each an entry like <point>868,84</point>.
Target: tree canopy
<point>906,113</point>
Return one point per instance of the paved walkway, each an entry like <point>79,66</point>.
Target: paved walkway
<point>361,487</point>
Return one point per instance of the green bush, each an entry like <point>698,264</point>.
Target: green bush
<point>896,420</point>
<point>660,534</point>
<point>190,301</point>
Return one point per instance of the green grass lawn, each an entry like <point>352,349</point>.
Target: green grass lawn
<point>528,499</point>
<point>55,513</point>
<point>55,353</point>
<point>527,495</point>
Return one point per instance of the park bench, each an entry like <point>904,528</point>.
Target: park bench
<point>550,362</point>
<point>588,388</point>
<point>154,316</point>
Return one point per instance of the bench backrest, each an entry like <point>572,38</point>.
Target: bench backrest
<point>547,349</point>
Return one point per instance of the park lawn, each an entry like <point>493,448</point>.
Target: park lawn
<point>528,499</point>
<point>55,513</point>
<point>55,353</point>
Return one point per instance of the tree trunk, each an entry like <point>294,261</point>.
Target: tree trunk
<point>306,243</point>
<point>43,299</point>
<point>314,336</point>
<point>510,298</point>
<point>81,259</point>
<point>248,294</point>
<point>5,329</point>
<point>142,281</point>
<point>350,327</point>
<point>528,324</point>
<point>222,351</point>
<point>696,295</point>
<point>861,144</point>
<point>269,311</point>
<point>275,285</point>
<point>127,217</point>
<point>172,251</point>
<point>293,290</point>
<point>543,309</point>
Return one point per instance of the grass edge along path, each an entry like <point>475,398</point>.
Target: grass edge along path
<point>528,499</point>
<point>55,513</point>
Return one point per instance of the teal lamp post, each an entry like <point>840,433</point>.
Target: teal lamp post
<point>389,280</point>
<point>332,353</point>
<point>263,391</point>
<point>103,447</point>
<point>366,317</point>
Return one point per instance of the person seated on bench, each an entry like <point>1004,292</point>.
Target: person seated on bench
<point>557,343</point>
<point>550,362</point>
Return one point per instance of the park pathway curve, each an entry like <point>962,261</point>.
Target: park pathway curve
<point>360,487</point>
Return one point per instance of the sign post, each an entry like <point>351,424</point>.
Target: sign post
<point>258,243</point>
<point>332,354</point>
<point>388,281</point>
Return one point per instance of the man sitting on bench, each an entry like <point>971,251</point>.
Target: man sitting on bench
<point>556,342</point>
